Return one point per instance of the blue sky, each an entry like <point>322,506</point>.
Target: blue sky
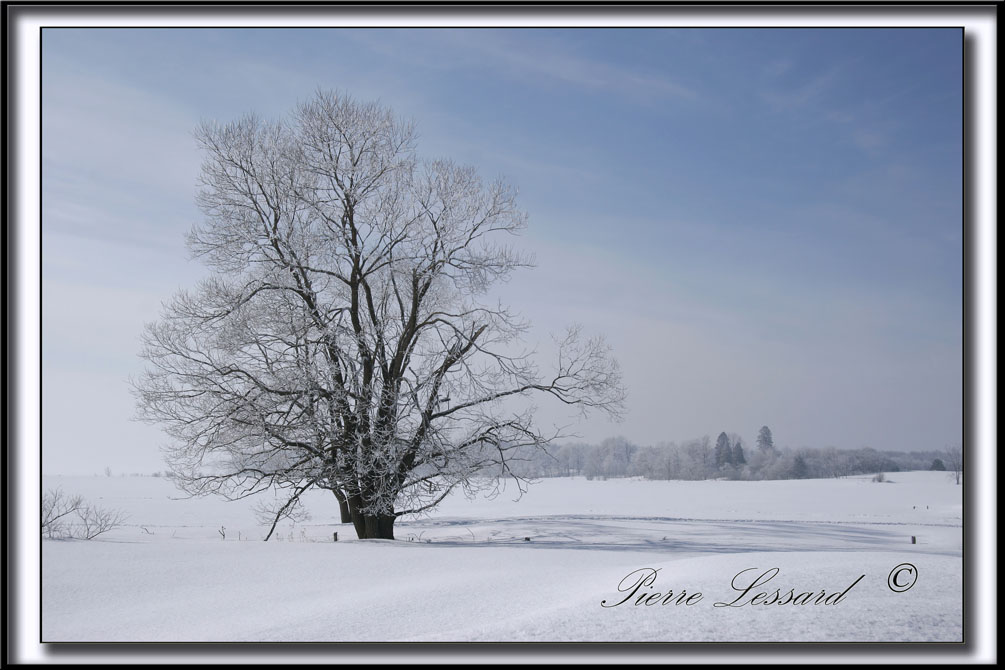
<point>766,224</point>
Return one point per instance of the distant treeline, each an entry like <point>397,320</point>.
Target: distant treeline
<point>702,458</point>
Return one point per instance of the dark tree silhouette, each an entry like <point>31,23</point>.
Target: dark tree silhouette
<point>723,450</point>
<point>764,440</point>
<point>738,458</point>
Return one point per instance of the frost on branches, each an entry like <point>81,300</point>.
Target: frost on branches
<point>341,342</point>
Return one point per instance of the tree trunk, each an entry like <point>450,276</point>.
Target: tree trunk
<point>356,517</point>
<point>379,527</point>
<point>370,526</point>
<point>343,506</point>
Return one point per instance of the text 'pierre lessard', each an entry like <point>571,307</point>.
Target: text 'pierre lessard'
<point>638,589</point>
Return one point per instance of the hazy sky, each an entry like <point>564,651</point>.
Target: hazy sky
<point>766,224</point>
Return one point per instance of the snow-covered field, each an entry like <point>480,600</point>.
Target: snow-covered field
<point>467,573</point>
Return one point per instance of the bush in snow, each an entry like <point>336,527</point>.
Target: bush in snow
<point>66,517</point>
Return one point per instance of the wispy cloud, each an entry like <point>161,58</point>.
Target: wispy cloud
<point>117,132</point>
<point>796,97</point>
<point>522,59</point>
<point>556,63</point>
<point>823,99</point>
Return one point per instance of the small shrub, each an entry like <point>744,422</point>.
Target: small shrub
<point>67,517</point>
<point>879,478</point>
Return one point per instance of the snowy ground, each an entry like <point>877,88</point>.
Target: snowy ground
<point>467,573</point>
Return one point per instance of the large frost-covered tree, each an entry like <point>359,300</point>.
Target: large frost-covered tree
<point>345,339</point>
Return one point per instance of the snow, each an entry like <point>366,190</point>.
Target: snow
<point>466,573</point>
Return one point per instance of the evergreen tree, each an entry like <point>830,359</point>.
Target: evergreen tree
<point>937,464</point>
<point>738,458</point>
<point>723,451</point>
<point>764,439</point>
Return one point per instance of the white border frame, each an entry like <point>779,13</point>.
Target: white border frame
<point>23,44</point>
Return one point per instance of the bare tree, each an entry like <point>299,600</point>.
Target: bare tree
<point>954,461</point>
<point>697,459</point>
<point>57,511</point>
<point>345,339</point>
<point>93,521</point>
<point>70,517</point>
